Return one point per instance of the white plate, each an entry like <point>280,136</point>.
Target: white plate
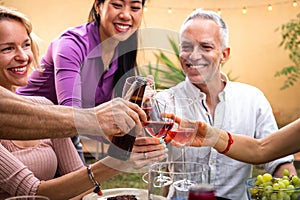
<point>140,194</point>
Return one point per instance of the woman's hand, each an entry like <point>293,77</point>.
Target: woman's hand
<point>147,150</point>
<point>204,134</point>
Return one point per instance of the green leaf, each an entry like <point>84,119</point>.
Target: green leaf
<point>290,33</point>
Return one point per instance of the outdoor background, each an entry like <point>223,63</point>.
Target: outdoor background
<point>255,52</point>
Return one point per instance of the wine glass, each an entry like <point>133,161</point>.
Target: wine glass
<point>182,133</point>
<point>158,125</point>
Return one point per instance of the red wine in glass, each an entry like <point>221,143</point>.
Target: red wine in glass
<point>201,191</point>
<point>156,125</point>
<point>158,128</point>
<point>148,111</point>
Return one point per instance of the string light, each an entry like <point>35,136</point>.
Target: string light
<point>295,3</point>
<point>244,10</point>
<point>221,10</point>
<point>270,8</point>
<point>145,8</point>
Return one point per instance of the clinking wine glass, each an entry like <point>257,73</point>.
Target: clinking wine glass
<point>158,125</point>
<point>183,133</point>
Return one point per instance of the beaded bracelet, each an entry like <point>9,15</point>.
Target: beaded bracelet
<point>92,178</point>
<point>230,142</point>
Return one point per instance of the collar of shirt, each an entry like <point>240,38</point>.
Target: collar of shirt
<point>195,92</point>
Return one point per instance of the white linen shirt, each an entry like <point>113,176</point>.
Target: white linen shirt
<point>243,109</point>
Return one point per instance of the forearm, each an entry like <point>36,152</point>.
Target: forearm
<point>22,119</point>
<point>281,143</point>
<point>244,148</point>
<point>76,183</point>
<point>247,149</point>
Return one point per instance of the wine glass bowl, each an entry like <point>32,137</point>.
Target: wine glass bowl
<point>196,173</point>
<point>184,129</point>
<point>181,136</point>
<point>157,124</point>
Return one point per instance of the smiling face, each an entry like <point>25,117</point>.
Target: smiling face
<point>201,52</point>
<point>15,53</point>
<point>119,18</point>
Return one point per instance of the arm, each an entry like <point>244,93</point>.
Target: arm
<point>66,154</point>
<point>266,125</point>
<point>283,142</point>
<point>20,118</point>
<point>67,54</point>
<point>77,182</point>
<point>10,181</point>
<point>17,179</point>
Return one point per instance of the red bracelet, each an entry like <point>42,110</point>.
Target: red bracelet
<point>230,142</point>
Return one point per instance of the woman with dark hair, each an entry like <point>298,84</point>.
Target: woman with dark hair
<point>86,65</point>
<point>28,167</point>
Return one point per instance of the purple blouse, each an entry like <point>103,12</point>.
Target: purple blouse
<point>73,70</point>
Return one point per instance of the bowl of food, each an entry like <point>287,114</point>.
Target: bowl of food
<point>267,187</point>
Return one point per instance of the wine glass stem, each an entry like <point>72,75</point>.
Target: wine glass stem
<point>183,163</point>
<point>183,154</point>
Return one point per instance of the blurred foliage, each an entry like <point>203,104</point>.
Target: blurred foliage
<point>290,33</point>
<point>167,73</point>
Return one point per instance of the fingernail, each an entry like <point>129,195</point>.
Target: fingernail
<point>165,145</point>
<point>166,156</point>
<point>166,150</point>
<point>161,141</point>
